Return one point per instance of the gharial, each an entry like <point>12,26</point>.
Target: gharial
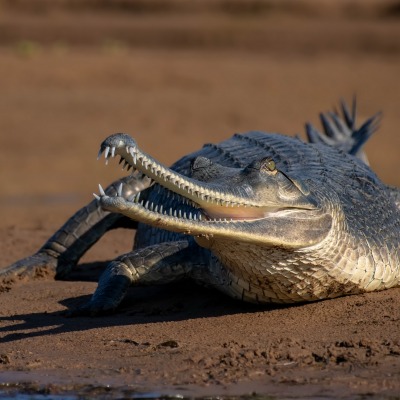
<point>261,216</point>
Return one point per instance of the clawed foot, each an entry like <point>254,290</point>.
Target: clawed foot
<point>112,288</point>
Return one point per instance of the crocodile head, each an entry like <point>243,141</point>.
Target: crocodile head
<point>258,203</point>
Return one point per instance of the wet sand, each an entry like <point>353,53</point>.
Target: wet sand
<point>58,103</point>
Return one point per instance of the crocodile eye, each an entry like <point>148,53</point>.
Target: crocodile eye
<point>268,165</point>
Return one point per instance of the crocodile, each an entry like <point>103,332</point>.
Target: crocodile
<point>262,217</point>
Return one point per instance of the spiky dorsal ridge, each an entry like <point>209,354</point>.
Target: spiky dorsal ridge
<point>340,130</point>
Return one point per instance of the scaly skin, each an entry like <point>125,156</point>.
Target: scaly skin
<point>262,217</point>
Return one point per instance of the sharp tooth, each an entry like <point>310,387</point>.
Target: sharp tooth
<point>120,189</point>
<point>101,190</point>
<point>132,152</point>
<point>175,214</point>
<point>156,208</point>
<point>194,217</point>
<point>180,214</point>
<point>147,204</point>
<point>170,212</point>
<point>106,152</point>
<point>136,198</point>
<point>113,151</point>
<point>97,197</point>
<point>161,209</point>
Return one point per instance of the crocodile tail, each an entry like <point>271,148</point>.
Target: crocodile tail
<point>340,130</point>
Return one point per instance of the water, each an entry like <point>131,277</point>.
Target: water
<point>22,392</point>
<point>28,392</point>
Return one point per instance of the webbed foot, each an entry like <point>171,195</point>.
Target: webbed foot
<point>341,131</point>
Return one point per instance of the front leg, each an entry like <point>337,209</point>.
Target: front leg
<point>64,249</point>
<point>158,264</point>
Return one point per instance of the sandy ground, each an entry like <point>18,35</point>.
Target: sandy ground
<point>57,103</point>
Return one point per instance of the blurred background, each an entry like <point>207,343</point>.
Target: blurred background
<point>175,74</point>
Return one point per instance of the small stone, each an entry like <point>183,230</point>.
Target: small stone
<point>169,343</point>
<point>4,359</point>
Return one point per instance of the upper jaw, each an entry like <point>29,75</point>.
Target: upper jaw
<point>213,202</point>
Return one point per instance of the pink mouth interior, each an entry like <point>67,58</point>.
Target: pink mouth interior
<point>236,213</point>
